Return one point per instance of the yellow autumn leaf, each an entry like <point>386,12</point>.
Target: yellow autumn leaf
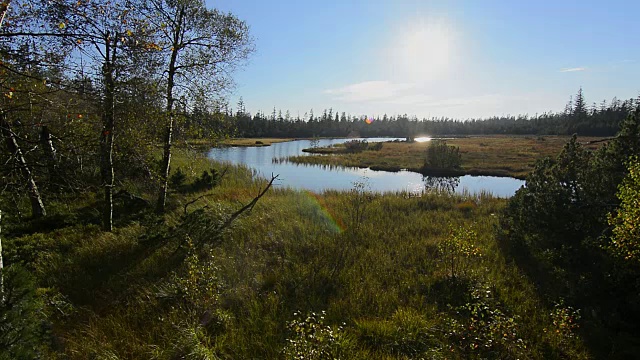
<point>129,32</point>
<point>62,25</point>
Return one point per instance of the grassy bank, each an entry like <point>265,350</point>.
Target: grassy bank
<point>349,275</point>
<point>492,155</point>
<point>238,142</point>
<point>254,141</point>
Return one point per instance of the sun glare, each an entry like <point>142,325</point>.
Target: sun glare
<point>422,139</point>
<point>424,50</point>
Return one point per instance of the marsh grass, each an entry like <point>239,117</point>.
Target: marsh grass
<point>491,155</point>
<point>168,288</point>
<point>254,141</point>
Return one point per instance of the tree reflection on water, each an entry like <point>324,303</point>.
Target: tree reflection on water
<point>440,184</point>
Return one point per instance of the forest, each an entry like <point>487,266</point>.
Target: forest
<point>119,239</point>
<point>601,119</point>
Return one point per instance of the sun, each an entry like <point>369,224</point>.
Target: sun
<point>424,50</point>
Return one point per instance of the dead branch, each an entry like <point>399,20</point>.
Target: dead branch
<point>600,140</point>
<point>247,207</point>
<point>194,201</point>
<point>217,231</point>
<point>224,172</point>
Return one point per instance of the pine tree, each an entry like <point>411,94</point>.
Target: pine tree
<point>568,109</point>
<point>240,107</point>
<point>579,105</point>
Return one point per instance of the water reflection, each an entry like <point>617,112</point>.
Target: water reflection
<point>440,184</point>
<point>422,139</point>
<point>273,159</point>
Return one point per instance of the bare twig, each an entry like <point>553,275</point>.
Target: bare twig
<point>217,231</point>
<point>247,207</point>
<point>600,140</point>
<point>224,172</point>
<point>194,201</point>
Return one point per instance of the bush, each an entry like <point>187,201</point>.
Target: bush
<point>457,250</point>
<point>442,156</point>
<point>207,181</point>
<point>485,330</point>
<point>565,324</point>
<point>312,339</point>
<point>356,145</point>
<point>177,179</point>
<point>466,207</point>
<point>21,316</point>
<point>625,240</point>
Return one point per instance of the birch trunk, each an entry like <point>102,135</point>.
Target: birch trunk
<point>166,159</point>
<point>37,206</point>
<point>106,137</point>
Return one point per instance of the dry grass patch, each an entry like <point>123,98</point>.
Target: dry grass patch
<point>487,155</point>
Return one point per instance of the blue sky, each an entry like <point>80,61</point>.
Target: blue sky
<point>436,58</point>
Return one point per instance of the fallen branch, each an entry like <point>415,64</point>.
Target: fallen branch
<point>600,140</point>
<point>131,198</point>
<point>194,201</point>
<point>217,230</point>
<point>247,207</point>
<point>224,172</point>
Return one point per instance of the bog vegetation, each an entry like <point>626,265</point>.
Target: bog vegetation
<point>495,155</point>
<point>117,244</point>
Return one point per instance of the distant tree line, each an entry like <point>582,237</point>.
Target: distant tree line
<point>588,120</point>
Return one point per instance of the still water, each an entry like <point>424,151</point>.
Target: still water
<point>318,178</point>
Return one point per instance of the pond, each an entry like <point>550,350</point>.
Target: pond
<point>318,178</point>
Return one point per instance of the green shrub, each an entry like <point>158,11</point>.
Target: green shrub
<point>207,181</point>
<point>466,207</point>
<point>625,241</point>
<point>442,156</point>
<point>356,145</point>
<point>312,339</point>
<point>565,324</point>
<point>22,322</point>
<point>177,179</point>
<point>457,249</point>
<point>483,329</point>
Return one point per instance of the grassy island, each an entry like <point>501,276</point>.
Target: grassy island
<point>512,156</point>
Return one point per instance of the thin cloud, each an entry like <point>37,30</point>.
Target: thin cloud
<point>573,69</point>
<point>379,90</point>
<point>405,95</point>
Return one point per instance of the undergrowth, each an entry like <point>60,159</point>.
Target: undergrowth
<point>350,275</point>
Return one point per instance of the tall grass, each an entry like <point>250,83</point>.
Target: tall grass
<point>489,155</point>
<point>169,288</point>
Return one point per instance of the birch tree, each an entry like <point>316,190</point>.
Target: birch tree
<point>202,47</point>
<point>107,36</point>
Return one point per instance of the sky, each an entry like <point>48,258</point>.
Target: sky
<point>459,59</point>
